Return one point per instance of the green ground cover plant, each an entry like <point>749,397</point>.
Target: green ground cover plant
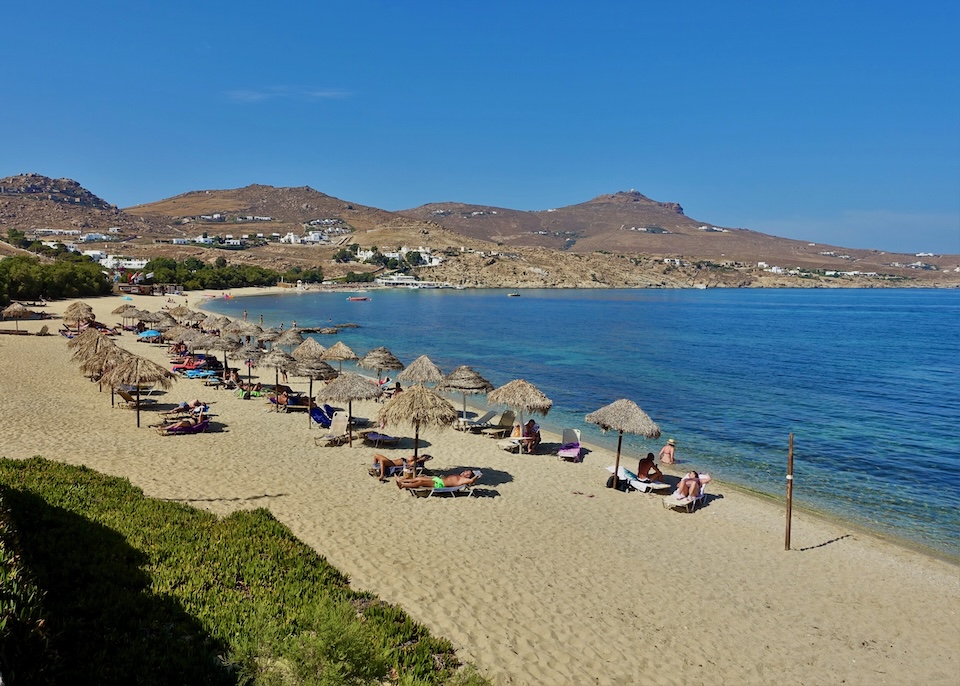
<point>100,584</point>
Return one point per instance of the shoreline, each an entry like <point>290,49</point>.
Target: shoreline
<point>551,558</point>
<point>835,518</point>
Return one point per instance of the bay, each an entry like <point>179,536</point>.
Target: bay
<point>867,380</point>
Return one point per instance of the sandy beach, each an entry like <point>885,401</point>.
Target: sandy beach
<point>546,577</point>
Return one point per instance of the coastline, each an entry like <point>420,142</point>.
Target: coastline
<point>551,558</point>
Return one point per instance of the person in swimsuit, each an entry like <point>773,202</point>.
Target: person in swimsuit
<point>383,464</point>
<point>647,470</point>
<point>689,486</point>
<point>667,452</point>
<point>468,477</point>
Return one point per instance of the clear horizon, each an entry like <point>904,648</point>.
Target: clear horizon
<point>833,124</point>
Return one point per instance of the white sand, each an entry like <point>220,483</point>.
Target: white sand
<point>548,578</point>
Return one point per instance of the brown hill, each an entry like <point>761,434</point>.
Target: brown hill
<point>612,240</point>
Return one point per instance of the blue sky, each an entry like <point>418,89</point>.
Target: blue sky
<point>835,122</point>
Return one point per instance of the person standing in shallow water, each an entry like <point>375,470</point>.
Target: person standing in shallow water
<point>667,452</point>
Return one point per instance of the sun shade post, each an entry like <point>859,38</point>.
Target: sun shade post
<point>786,541</point>
<point>616,466</point>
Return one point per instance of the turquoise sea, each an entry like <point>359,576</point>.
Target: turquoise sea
<point>867,380</point>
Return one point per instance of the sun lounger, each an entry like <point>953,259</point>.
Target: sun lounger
<point>570,448</point>
<point>691,503</point>
<point>318,415</point>
<point>379,439</point>
<point>502,427</point>
<point>452,491</point>
<point>132,401</point>
<point>176,431</point>
<point>638,484</point>
<point>483,422</point>
<point>337,435</point>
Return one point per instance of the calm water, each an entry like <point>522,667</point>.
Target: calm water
<point>867,380</point>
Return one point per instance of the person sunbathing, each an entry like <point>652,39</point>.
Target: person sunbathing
<point>383,464</point>
<point>190,405</point>
<point>468,477</point>
<point>689,486</point>
<point>185,423</point>
<point>647,470</point>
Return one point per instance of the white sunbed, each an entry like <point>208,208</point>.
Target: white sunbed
<point>453,491</point>
<point>642,485</point>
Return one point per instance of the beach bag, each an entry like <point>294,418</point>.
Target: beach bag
<point>622,484</point>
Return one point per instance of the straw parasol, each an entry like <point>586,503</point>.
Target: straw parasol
<point>289,338</point>
<point>251,355</point>
<point>277,359</point>
<point>16,312</point>
<point>339,352</point>
<point>227,343</point>
<point>522,396</point>
<point>347,388</point>
<point>135,370</point>
<point>623,415</point>
<point>465,380</point>
<point>418,406</point>
<point>308,350</point>
<point>78,312</point>
<point>181,312</point>
<point>90,342</point>
<point>380,359</point>
<point>99,362</point>
<point>313,368</point>
<point>421,370</point>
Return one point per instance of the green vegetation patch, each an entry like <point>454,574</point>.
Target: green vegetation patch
<point>138,590</point>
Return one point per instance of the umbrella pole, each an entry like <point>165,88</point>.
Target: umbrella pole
<point>350,422</point>
<point>616,466</point>
<point>276,381</point>
<point>416,445</point>
<point>464,415</point>
<point>309,403</point>
<point>138,403</point>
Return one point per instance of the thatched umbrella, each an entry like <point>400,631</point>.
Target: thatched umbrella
<point>251,355</point>
<point>339,352</point>
<point>268,335</point>
<point>16,312</point>
<point>90,342</point>
<point>289,338</point>
<point>99,362</point>
<point>380,359</point>
<point>347,388</point>
<point>523,396</point>
<point>421,370</point>
<point>180,333</point>
<point>227,343</point>
<point>78,312</point>
<point>135,370</point>
<point>277,359</point>
<point>418,406</point>
<point>313,368</point>
<point>181,312</point>
<point>465,380</point>
<point>623,415</point>
<point>309,350</point>
<point>126,311</point>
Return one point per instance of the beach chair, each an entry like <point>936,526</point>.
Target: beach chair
<point>179,411</point>
<point>452,491</point>
<point>483,422</point>
<point>337,435</point>
<point>570,448</point>
<point>132,401</point>
<point>319,416</point>
<point>636,483</point>
<point>379,439</point>
<point>176,431</point>
<point>502,427</point>
<point>674,502</point>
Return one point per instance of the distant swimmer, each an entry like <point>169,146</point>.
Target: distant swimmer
<point>666,452</point>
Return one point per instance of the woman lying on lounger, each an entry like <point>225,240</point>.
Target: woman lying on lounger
<point>465,478</point>
<point>185,423</point>
<point>383,464</point>
<point>689,486</point>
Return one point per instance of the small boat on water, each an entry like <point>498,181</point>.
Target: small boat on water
<point>513,295</point>
<point>356,298</point>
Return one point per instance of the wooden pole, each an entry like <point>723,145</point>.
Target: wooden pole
<point>616,466</point>
<point>786,542</point>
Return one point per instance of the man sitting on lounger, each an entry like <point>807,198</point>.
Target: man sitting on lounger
<point>465,478</point>
<point>647,470</point>
<point>383,464</point>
